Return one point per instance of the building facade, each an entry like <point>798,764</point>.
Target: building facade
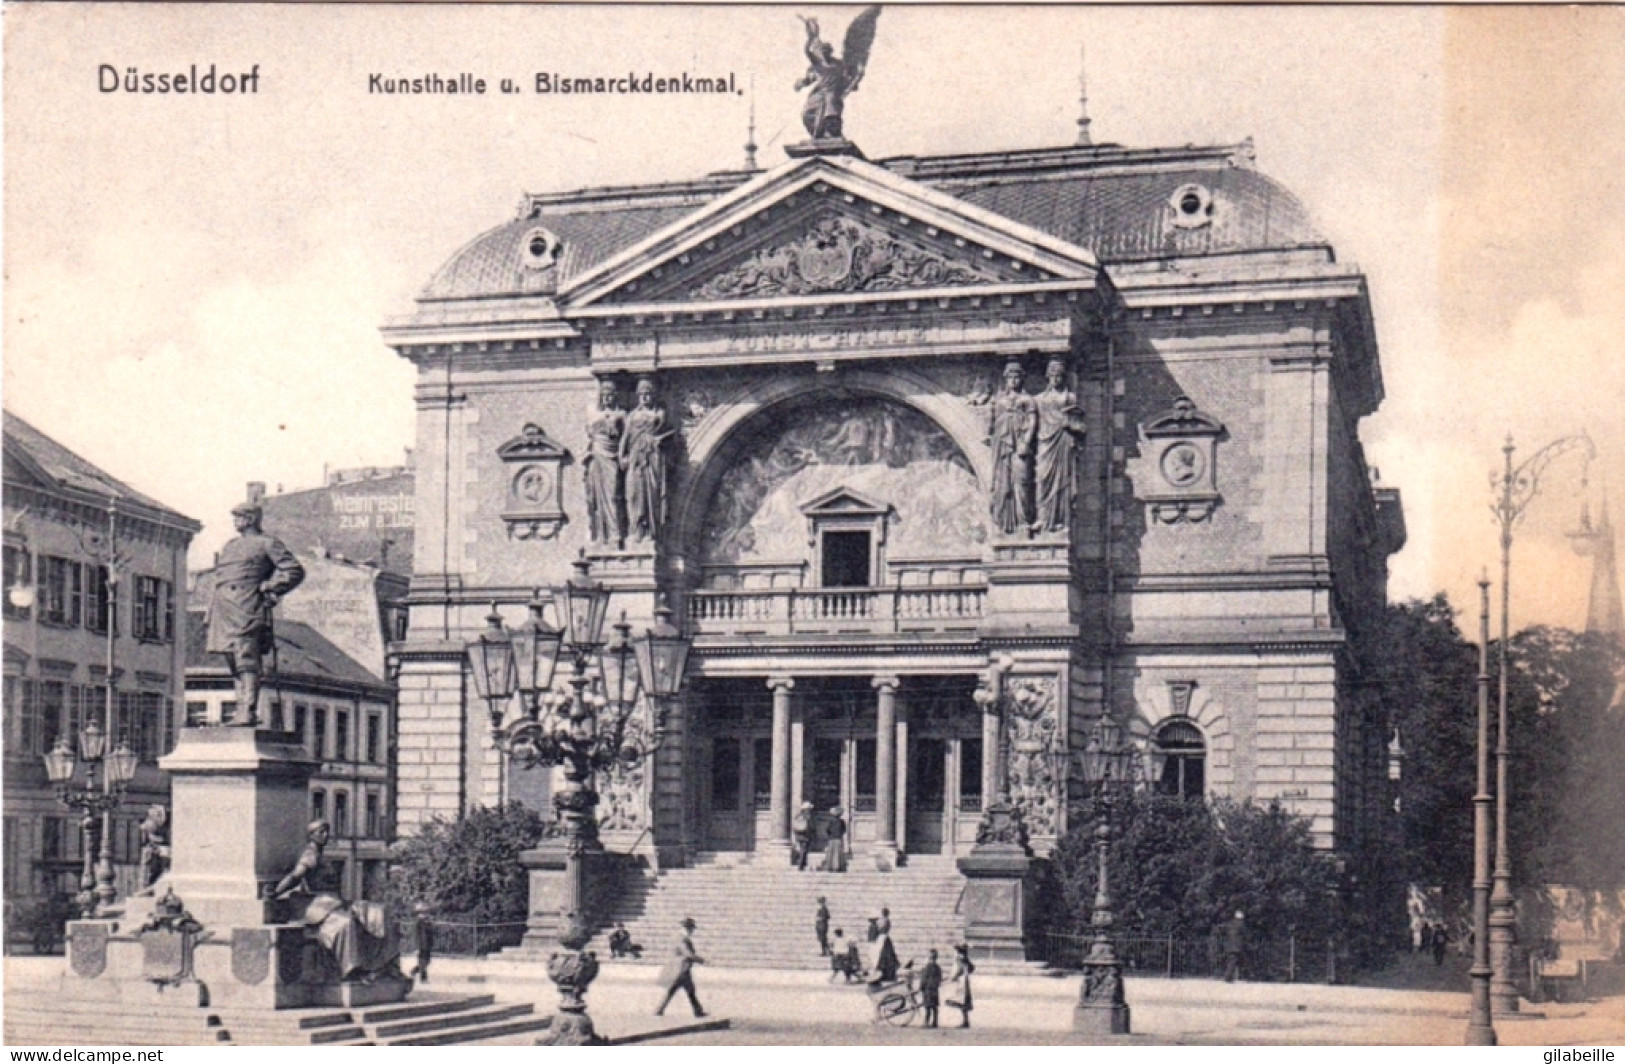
<point>938,460</point>
<point>95,576</point>
<point>343,714</point>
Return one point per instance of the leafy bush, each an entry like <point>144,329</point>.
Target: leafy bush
<point>1181,868</point>
<point>470,866</point>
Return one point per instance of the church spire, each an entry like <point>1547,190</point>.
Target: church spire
<point>1604,613</point>
<point>1083,102</point>
<point>750,132</point>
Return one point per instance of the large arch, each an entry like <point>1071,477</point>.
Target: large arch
<point>716,440</point>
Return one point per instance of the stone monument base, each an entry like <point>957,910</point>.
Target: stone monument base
<point>823,146</point>
<point>1103,1019</point>
<point>997,896</point>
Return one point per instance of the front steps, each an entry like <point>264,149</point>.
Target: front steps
<point>754,911</point>
<point>37,1018</point>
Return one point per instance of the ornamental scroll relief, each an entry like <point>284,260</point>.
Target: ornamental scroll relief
<point>838,254</point>
<point>1031,733</point>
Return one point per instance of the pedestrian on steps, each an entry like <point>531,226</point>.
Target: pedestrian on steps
<point>678,974</point>
<point>821,927</point>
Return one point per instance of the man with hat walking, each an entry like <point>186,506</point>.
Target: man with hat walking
<point>678,973</point>
<point>253,574</point>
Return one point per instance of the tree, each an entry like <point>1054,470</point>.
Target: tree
<point>470,866</point>
<point>1428,675</point>
<point>1181,867</point>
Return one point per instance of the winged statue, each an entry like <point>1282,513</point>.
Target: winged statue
<point>834,78</point>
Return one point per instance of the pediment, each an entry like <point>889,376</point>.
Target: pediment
<point>833,228</point>
<point>844,502</point>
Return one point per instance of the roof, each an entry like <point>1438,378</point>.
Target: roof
<point>302,655</point>
<point>1106,199</point>
<point>42,457</point>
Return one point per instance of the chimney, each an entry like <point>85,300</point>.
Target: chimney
<point>256,491</point>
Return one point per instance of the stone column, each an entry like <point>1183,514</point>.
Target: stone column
<point>779,807</point>
<point>886,773</point>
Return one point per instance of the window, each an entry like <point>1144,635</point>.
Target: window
<point>299,713</point>
<point>16,865</point>
<point>762,772</point>
<point>53,707</point>
<point>341,814</point>
<point>228,711</point>
<point>318,805</point>
<point>19,574</point>
<point>341,735</point>
<point>725,774</point>
<point>22,716</point>
<point>1182,754</point>
<point>375,731</point>
<point>143,718</point>
<point>61,592</point>
<point>197,714</point>
<point>52,838</point>
<point>865,773</point>
<point>277,723</point>
<point>101,604</point>
<point>970,775</point>
<point>318,732</point>
<point>846,559</point>
<point>153,611</point>
<point>374,826</point>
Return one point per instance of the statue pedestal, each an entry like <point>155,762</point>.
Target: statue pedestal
<point>241,806</point>
<point>998,891</point>
<point>823,146</point>
<point>545,866</point>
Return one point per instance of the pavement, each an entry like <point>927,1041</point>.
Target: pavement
<point>778,1007</point>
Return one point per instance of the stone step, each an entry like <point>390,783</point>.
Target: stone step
<point>477,1032</point>
<point>429,1007</point>
<point>389,1032</point>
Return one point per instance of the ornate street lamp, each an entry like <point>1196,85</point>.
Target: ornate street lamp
<point>1108,764</point>
<point>594,727</point>
<point>94,802</point>
<point>1480,1026</point>
<point>1515,489</point>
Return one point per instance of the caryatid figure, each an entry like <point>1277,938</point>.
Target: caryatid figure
<point>606,425</point>
<point>1013,434</point>
<point>644,466</point>
<point>1060,430</point>
<point>254,572</point>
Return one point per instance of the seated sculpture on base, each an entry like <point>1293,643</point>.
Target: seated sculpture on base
<point>359,937</point>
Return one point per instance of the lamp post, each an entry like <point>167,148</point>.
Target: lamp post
<point>1107,764</point>
<point>1515,488</point>
<point>95,802</point>
<point>1480,1027</point>
<point>589,729</point>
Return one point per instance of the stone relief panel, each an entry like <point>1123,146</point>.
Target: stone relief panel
<point>836,253</point>
<point>1031,730</point>
<point>885,450</point>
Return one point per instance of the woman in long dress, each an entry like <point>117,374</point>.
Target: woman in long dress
<point>835,847</point>
<point>1060,424</point>
<point>959,993</point>
<point>1013,432</point>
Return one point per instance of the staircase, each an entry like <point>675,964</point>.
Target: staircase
<point>754,911</point>
<point>37,1018</point>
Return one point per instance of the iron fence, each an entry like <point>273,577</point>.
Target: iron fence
<point>1288,959</point>
<point>456,937</point>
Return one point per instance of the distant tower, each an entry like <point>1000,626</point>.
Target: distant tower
<point>1596,541</point>
<point>1083,102</point>
<point>750,134</point>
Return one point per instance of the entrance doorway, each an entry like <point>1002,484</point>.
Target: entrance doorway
<point>927,794</point>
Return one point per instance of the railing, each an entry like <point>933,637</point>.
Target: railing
<point>474,938</point>
<point>1276,960</point>
<point>778,611</point>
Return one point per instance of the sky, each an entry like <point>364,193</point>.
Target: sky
<point>194,285</point>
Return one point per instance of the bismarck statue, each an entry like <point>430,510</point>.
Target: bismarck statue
<point>832,79</point>
<point>254,573</point>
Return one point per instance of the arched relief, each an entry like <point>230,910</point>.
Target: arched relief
<point>714,443</point>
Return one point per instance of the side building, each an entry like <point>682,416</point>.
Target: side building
<point>95,604</point>
<point>342,712</point>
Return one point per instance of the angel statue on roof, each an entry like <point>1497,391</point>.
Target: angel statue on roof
<point>833,79</point>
